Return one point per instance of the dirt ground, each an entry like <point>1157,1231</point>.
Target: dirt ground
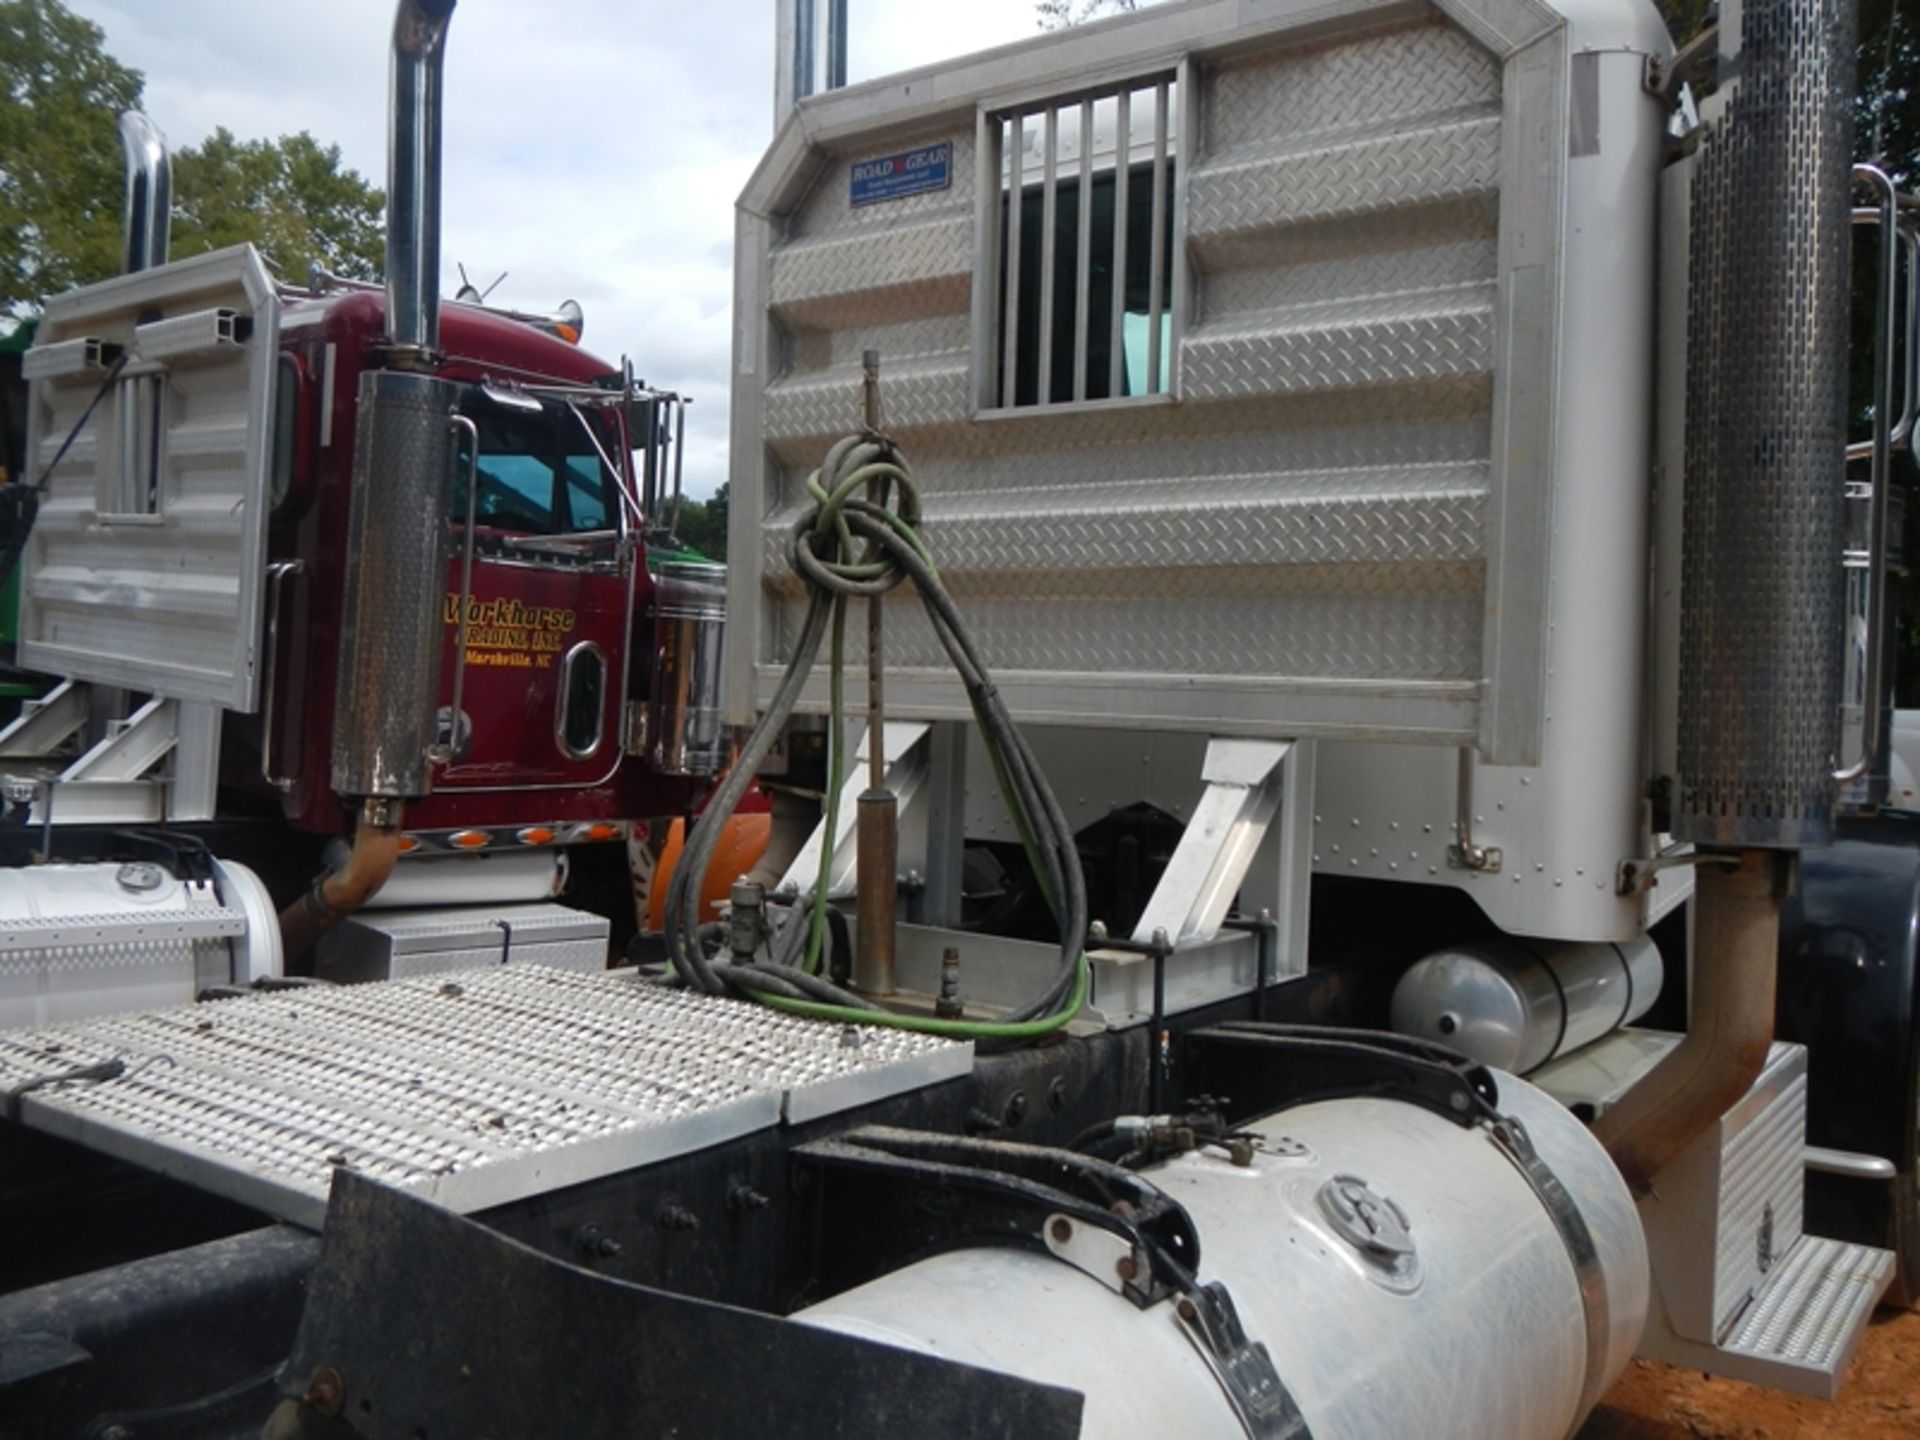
<point>1880,1399</point>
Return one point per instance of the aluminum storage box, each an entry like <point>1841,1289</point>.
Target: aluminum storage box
<point>399,944</point>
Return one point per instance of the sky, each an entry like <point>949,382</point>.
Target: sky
<point>594,148</point>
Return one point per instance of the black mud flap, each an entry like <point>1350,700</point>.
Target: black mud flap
<point>420,1322</point>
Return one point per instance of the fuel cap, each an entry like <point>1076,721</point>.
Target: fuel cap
<point>1366,1219</point>
<point>140,877</point>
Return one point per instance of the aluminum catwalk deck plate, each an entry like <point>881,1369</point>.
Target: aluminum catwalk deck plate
<point>469,1090</point>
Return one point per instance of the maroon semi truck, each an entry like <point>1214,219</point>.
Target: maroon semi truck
<point>558,662</point>
<point>338,560</point>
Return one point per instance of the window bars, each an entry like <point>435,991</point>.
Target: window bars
<point>1083,206</point>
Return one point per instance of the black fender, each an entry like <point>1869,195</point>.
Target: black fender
<point>1850,992</point>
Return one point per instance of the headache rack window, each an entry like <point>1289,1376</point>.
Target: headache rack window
<point>1083,308</point>
<point>134,488</point>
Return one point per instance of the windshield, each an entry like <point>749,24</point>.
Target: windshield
<point>539,473</point>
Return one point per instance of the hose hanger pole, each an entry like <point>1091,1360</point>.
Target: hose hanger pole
<point>877,817</point>
<point>845,547</point>
<point>876,618</point>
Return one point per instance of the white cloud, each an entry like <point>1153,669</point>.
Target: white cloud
<point>594,149</point>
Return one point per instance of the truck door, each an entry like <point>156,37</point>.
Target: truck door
<point>548,610</point>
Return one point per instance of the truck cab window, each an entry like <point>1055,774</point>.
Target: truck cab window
<point>538,474</point>
<point>286,422</point>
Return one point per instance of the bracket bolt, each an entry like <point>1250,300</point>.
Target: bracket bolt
<point>676,1217</point>
<point>743,1198</point>
<point>595,1243</point>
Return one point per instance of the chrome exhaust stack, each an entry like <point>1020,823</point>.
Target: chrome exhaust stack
<point>149,209</point>
<point>387,690</point>
<point>398,542</point>
<point>413,181</point>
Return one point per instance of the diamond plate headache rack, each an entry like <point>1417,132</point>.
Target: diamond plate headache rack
<point>1259,1067</point>
<point>471,1090</point>
<point>1319,327</point>
<point>493,1333</point>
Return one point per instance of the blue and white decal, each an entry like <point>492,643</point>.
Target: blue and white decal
<point>909,173</point>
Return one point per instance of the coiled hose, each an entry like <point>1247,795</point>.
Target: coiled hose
<point>841,521</point>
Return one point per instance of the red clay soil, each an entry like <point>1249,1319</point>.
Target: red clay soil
<point>1880,1399</point>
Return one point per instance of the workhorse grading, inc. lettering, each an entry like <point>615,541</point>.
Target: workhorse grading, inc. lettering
<point>504,631</point>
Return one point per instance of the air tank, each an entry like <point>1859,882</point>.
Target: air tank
<point>1516,1004</point>
<point>1480,1325</point>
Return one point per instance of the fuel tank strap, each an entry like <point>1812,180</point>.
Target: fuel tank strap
<point>1268,1067</point>
<point>1511,1139</point>
<point>1260,1398</point>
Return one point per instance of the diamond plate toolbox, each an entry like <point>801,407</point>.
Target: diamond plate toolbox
<point>469,1090</point>
<point>1334,520</point>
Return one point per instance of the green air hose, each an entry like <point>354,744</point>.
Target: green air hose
<point>849,546</point>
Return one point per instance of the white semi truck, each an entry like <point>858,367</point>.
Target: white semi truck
<point>1377,484</point>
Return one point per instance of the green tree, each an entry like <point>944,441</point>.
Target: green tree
<point>60,168</point>
<point>1887,82</point>
<point>62,184</point>
<point>703,526</point>
<point>290,197</point>
<point>1058,14</point>
<point>1887,108</point>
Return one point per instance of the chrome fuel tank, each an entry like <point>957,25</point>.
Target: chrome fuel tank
<point>1481,1325</point>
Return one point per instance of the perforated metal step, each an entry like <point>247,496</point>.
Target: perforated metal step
<point>470,1090</point>
<point>1813,1308</point>
<point>1799,1330</point>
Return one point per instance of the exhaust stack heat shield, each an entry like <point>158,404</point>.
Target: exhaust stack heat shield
<point>1761,587</point>
<point>384,714</point>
